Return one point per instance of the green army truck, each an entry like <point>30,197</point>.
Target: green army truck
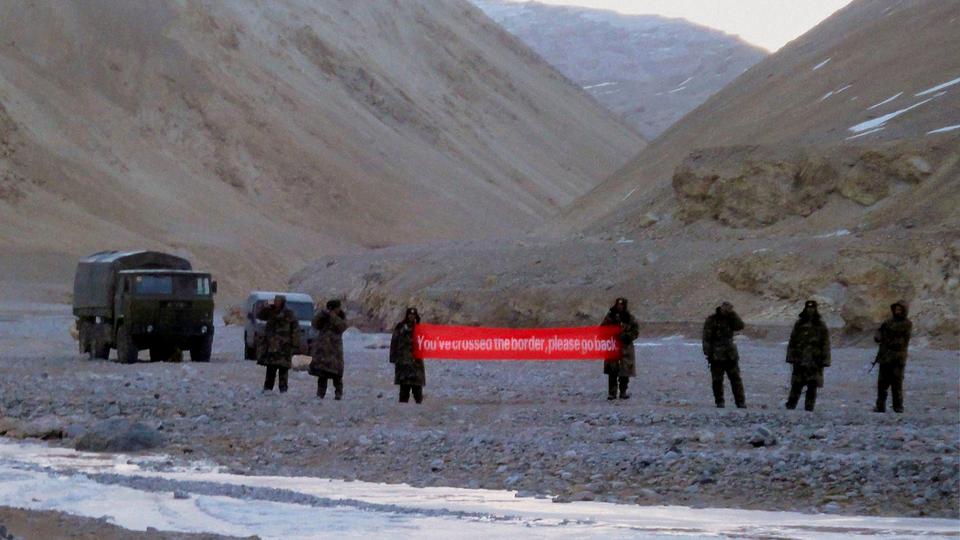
<point>136,300</point>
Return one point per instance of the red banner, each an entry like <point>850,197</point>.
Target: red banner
<point>477,343</point>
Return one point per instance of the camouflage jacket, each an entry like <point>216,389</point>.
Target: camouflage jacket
<point>328,345</point>
<point>629,331</point>
<point>809,350</point>
<point>718,332</point>
<point>406,368</point>
<point>894,338</point>
<point>280,337</point>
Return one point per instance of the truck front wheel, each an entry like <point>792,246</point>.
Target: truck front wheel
<point>201,349</point>
<point>126,348</point>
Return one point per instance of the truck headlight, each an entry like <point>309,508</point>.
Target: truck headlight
<point>203,330</point>
<point>149,328</point>
<point>98,320</point>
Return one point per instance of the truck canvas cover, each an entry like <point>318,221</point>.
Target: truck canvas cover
<point>96,275</point>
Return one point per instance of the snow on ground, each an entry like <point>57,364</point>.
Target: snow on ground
<point>884,102</point>
<point>834,234</point>
<point>130,492</point>
<point>937,88</point>
<point>835,92</point>
<point>821,64</point>
<point>601,85</point>
<point>880,121</point>
<point>944,129</point>
<point>865,133</point>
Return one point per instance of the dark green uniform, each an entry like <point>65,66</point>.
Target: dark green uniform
<point>722,354</point>
<point>327,361</point>
<point>808,352</point>
<point>409,372</point>
<point>619,371</point>
<point>894,338</point>
<point>280,338</point>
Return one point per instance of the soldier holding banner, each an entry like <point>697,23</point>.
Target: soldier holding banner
<point>409,371</point>
<point>620,370</point>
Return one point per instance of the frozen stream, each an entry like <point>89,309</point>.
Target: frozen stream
<point>136,495</point>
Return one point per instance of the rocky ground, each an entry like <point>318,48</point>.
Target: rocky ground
<point>537,428</point>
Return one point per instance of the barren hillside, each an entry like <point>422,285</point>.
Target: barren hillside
<point>830,170</point>
<point>254,136</point>
<point>650,70</point>
<point>873,72</point>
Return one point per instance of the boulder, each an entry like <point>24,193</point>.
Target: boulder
<point>119,435</point>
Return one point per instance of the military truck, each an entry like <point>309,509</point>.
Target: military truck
<point>135,300</point>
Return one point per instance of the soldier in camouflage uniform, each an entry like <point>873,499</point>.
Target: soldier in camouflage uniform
<point>281,337</point>
<point>893,337</point>
<point>618,372</point>
<point>409,372</point>
<point>808,352</point>
<point>721,352</point>
<point>327,362</point>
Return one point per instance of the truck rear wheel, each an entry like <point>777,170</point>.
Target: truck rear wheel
<point>201,349</point>
<point>126,348</point>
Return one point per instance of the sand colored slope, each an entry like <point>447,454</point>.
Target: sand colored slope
<point>241,132</point>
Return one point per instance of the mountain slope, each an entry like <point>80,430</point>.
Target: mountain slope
<point>649,70</point>
<point>834,85</point>
<point>780,188</point>
<point>253,136</point>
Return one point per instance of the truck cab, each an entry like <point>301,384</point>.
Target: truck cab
<point>300,304</point>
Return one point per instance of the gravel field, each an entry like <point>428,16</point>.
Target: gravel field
<point>535,428</point>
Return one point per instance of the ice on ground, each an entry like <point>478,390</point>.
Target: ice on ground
<point>864,134</point>
<point>880,121</point>
<point>133,496</point>
<point>938,87</point>
<point>944,129</point>
<point>41,477</point>
<point>600,85</point>
<point>821,64</point>
<point>884,102</point>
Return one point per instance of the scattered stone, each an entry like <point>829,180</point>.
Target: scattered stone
<point>762,436</point>
<point>119,435</point>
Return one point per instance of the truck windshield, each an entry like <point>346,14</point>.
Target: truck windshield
<point>168,285</point>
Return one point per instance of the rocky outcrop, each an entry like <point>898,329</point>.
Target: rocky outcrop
<point>758,186</point>
<point>861,283</point>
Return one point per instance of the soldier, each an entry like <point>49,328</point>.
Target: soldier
<point>409,372</point>
<point>809,352</point>
<point>619,371</point>
<point>893,337</point>
<point>721,352</point>
<point>327,362</point>
<point>280,338</point>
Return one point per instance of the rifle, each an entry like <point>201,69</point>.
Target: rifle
<point>875,360</point>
